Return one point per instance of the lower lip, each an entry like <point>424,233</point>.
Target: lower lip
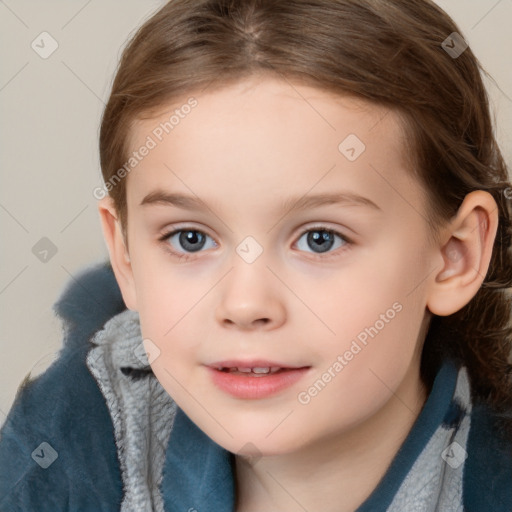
<point>248,386</point>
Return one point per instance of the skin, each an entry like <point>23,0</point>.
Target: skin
<point>243,150</point>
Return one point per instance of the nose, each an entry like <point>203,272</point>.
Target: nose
<point>250,298</point>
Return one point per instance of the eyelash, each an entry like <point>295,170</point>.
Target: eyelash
<point>317,256</point>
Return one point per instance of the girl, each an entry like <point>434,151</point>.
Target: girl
<point>308,220</point>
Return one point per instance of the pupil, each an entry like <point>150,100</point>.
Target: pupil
<point>188,239</point>
<point>320,240</point>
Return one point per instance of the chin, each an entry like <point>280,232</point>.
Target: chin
<point>256,443</point>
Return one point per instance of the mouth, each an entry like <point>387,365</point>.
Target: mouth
<point>254,379</point>
<point>259,371</point>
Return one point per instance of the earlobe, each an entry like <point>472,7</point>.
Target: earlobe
<point>118,252</point>
<point>466,254</point>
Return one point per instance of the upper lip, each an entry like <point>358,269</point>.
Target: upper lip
<point>252,363</point>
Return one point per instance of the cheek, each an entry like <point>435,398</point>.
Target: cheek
<point>357,379</point>
<point>166,319</point>
<point>165,295</point>
<point>379,290</point>
<point>376,312</point>
<point>166,311</point>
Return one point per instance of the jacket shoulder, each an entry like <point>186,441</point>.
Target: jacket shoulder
<point>90,299</point>
<point>488,468</point>
<point>57,448</point>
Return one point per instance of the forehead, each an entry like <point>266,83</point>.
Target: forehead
<point>264,136</point>
<point>266,97</point>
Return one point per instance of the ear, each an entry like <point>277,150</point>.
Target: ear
<point>119,256</point>
<point>465,251</point>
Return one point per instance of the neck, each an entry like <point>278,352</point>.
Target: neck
<point>337,473</point>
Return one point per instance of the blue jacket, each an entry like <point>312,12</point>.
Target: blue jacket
<point>59,450</point>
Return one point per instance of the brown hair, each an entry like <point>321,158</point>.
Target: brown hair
<point>386,52</point>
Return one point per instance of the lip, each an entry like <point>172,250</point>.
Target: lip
<point>255,387</point>
<point>250,363</point>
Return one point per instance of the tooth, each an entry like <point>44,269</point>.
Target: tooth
<point>244,370</point>
<point>261,370</point>
<point>274,369</point>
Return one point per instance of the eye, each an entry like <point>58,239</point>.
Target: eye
<point>322,240</point>
<point>184,242</point>
<point>190,240</point>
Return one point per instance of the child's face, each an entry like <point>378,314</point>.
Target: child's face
<point>246,151</point>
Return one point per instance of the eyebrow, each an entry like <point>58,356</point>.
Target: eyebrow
<point>292,204</point>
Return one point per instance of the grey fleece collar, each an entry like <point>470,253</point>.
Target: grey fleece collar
<point>142,411</point>
<point>435,481</point>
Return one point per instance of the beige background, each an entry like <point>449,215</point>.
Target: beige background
<point>50,112</point>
